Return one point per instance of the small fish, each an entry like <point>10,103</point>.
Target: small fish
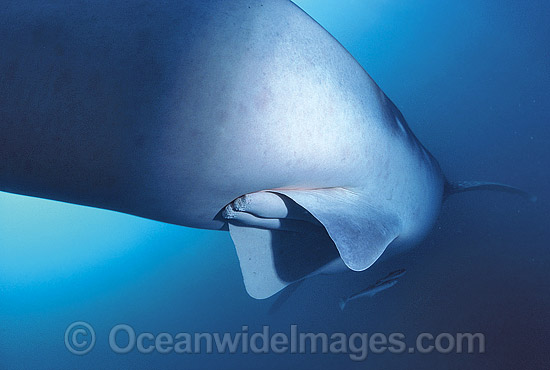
<point>382,284</point>
<point>392,276</point>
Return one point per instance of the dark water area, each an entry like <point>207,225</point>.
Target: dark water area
<point>472,78</point>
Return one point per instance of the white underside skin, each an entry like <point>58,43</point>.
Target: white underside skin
<point>173,110</point>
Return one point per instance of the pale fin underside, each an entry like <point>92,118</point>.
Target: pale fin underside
<point>272,259</point>
<point>360,232</point>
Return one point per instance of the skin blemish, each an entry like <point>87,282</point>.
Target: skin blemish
<point>263,99</point>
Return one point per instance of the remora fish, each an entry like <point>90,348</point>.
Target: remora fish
<point>369,292</point>
<point>392,275</point>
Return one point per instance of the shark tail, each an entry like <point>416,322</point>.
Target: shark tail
<point>342,303</point>
<point>464,186</point>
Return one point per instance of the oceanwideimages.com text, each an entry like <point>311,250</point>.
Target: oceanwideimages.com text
<point>80,338</point>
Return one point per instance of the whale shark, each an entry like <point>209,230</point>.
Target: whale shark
<point>243,116</point>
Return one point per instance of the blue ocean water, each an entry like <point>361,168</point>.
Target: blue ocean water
<point>473,81</point>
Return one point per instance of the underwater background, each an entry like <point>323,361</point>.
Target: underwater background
<point>472,78</point>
